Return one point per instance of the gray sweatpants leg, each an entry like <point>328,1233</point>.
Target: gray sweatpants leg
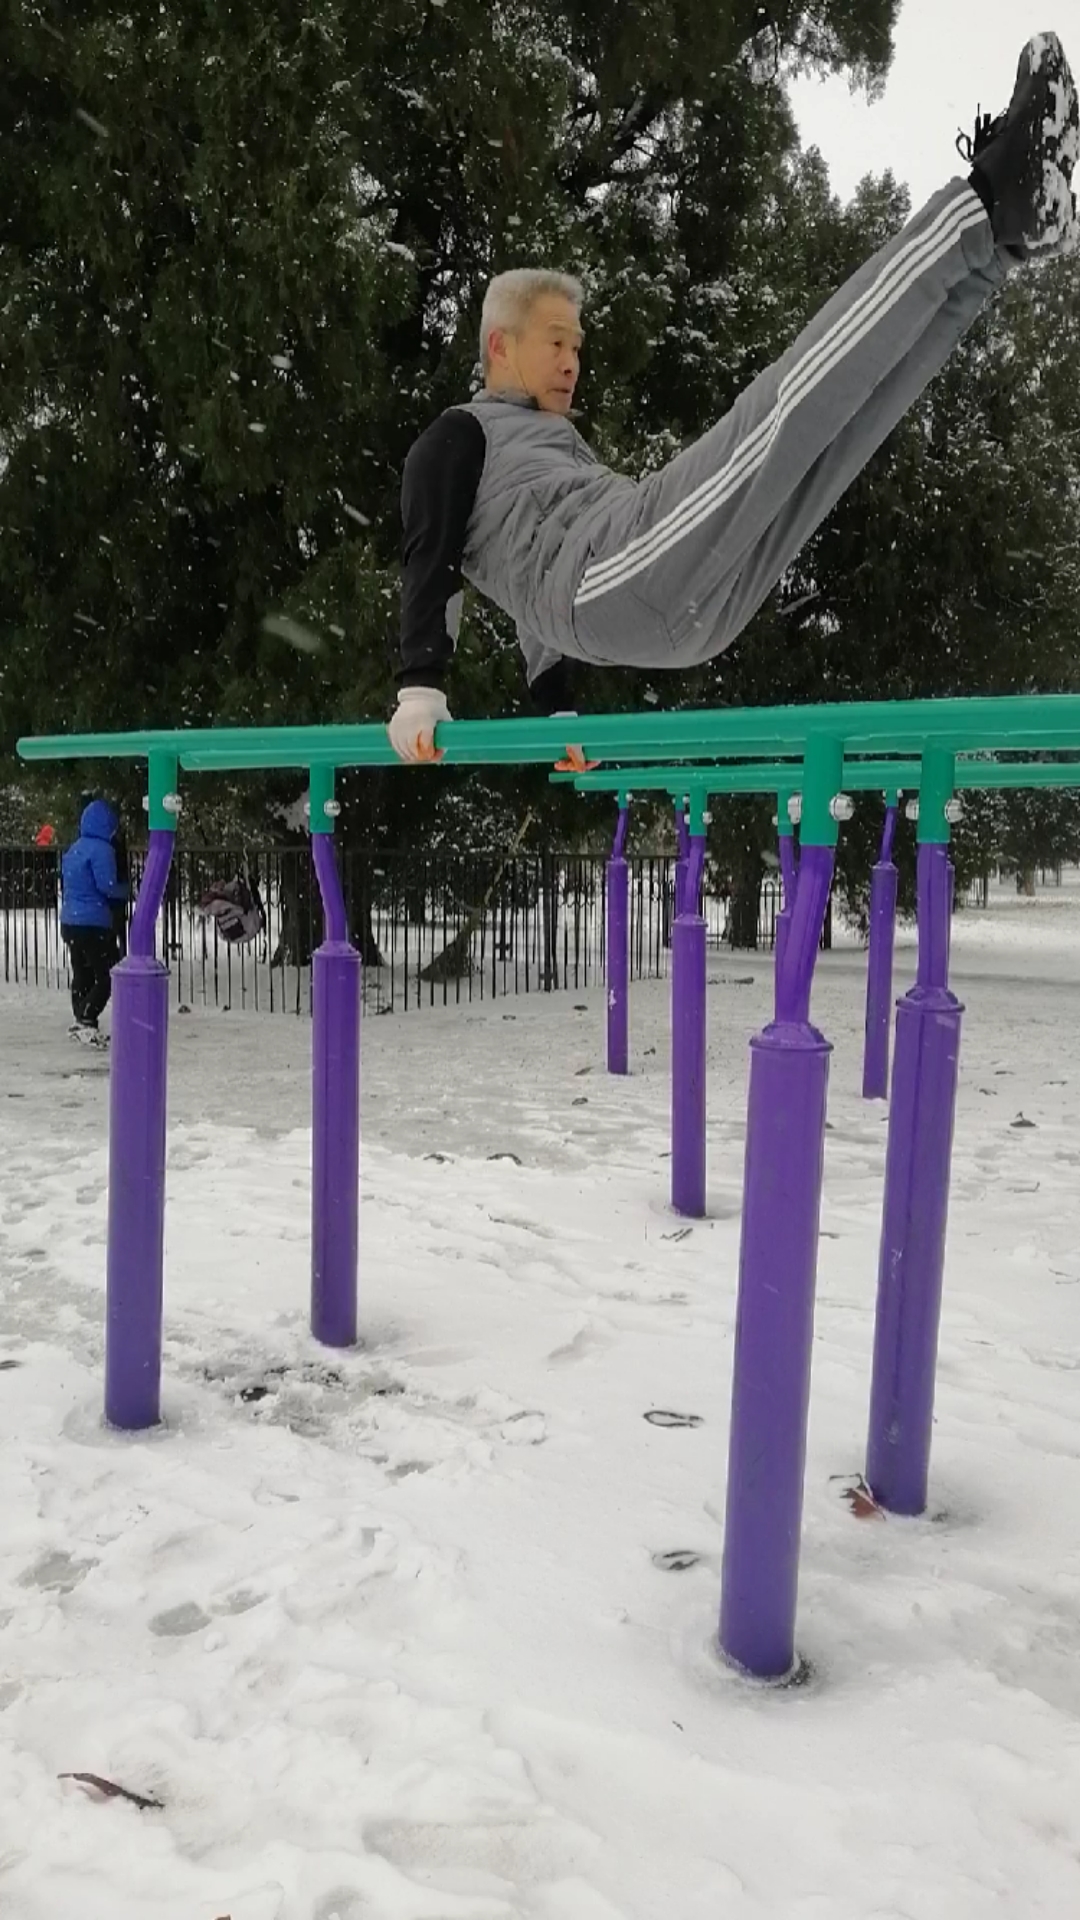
<point>695,549</point>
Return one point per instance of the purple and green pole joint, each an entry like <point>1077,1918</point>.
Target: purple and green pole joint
<point>137,1115</point>
<point>682,856</point>
<point>618,946</point>
<point>918,1159</point>
<point>786,809</point>
<point>879,967</point>
<point>785,1137</point>
<point>688,995</point>
<point>335,1090</point>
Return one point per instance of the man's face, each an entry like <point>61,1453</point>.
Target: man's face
<point>543,358</point>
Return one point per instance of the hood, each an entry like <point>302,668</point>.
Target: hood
<point>99,821</point>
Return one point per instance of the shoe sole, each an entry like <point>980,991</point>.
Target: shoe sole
<point>1044,64</point>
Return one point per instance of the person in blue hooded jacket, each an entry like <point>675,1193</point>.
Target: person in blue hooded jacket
<point>91,888</point>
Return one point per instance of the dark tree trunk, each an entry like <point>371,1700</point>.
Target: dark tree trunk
<point>363,935</point>
<point>744,910</point>
<point>301,914</point>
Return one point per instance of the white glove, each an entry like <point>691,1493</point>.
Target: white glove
<point>412,730</point>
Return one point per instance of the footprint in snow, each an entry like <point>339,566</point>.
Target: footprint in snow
<point>524,1429</point>
<point>242,1601</point>
<point>57,1573</point>
<point>177,1621</point>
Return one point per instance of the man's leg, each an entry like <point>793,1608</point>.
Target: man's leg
<point>103,956</point>
<point>709,535</point>
<point>82,975</point>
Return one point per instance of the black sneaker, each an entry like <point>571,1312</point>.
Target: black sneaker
<point>1022,162</point>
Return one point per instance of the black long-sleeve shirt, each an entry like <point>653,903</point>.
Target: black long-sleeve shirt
<point>438,491</point>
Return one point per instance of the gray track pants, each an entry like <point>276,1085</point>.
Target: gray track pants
<point>697,547</point>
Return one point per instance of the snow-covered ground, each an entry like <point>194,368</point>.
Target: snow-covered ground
<point>397,1634</point>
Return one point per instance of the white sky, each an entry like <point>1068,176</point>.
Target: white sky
<point>951,56</point>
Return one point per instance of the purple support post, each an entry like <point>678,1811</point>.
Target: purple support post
<point>688,979</point>
<point>785,1134</point>
<point>137,1090</point>
<point>618,951</point>
<point>917,1167</point>
<point>335,1109</point>
<point>879,967</point>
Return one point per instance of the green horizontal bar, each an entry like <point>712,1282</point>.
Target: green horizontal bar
<point>770,777</point>
<point>859,776</point>
<point>1021,722</point>
<point>996,775</point>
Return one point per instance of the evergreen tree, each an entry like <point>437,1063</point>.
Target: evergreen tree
<point>243,252</point>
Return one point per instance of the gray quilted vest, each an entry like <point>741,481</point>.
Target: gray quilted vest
<point>542,506</point>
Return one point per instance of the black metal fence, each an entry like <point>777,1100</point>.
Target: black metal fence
<point>432,930</point>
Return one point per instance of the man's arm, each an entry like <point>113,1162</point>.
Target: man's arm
<point>438,492</point>
<point>442,472</point>
<point>553,690</point>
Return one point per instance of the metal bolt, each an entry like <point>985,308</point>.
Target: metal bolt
<point>911,809</point>
<point>331,808</point>
<point>794,809</point>
<point>172,802</point>
<point>706,819</point>
<point>841,806</point>
<point>954,811</point>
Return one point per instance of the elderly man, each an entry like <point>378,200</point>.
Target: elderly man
<point>664,572</point>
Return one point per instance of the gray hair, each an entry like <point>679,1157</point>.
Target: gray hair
<point>511,296</point>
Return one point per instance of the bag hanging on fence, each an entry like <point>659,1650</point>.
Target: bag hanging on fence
<point>235,908</point>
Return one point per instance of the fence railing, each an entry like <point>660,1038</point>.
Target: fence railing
<point>432,929</point>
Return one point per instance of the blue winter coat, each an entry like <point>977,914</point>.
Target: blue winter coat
<point>88,871</point>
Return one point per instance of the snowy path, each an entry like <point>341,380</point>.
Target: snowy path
<point>395,1634</point>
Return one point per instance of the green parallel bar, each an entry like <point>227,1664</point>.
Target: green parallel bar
<point>859,776</point>
<point>1025,722</point>
<point>972,775</point>
<point>736,777</point>
<point>771,776</point>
